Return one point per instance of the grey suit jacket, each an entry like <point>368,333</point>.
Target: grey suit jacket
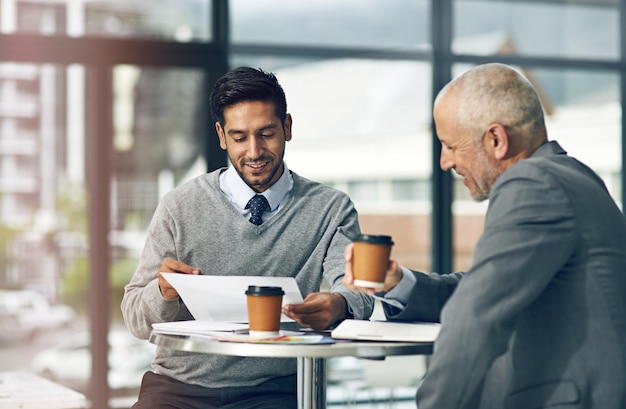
<point>539,320</point>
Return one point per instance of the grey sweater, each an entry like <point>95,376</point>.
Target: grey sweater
<point>196,224</point>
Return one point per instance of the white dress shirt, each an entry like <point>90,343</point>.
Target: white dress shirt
<point>239,193</point>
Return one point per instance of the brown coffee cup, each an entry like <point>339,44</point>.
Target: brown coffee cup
<point>264,309</point>
<point>370,261</point>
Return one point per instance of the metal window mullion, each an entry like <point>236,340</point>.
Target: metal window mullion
<point>441,233</point>
<point>622,76</point>
<point>98,170</point>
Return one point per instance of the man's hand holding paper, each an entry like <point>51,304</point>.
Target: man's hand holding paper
<point>173,266</point>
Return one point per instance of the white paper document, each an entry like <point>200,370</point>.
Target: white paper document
<point>223,298</point>
<point>197,327</point>
<point>387,331</point>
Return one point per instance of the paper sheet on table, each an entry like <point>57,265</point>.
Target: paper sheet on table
<point>199,327</point>
<point>223,298</point>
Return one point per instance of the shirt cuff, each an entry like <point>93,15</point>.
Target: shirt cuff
<point>399,295</point>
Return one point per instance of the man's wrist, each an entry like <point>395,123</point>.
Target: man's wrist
<point>344,310</point>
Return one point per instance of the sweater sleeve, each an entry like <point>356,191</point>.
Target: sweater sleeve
<point>360,305</point>
<point>143,304</point>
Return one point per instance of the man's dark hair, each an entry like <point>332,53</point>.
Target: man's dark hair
<point>247,84</point>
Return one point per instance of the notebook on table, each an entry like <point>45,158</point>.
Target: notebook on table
<point>367,330</point>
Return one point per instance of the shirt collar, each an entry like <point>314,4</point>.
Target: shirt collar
<point>241,193</point>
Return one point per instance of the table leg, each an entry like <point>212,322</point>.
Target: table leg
<point>311,383</point>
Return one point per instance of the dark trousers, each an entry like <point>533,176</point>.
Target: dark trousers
<point>161,392</point>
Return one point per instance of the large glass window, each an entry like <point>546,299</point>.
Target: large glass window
<point>159,136</point>
<point>360,125</point>
<point>158,141</point>
<point>177,20</point>
<point>394,24</point>
<point>581,29</point>
<point>42,219</point>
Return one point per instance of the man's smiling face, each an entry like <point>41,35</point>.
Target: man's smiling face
<point>459,151</point>
<point>254,140</point>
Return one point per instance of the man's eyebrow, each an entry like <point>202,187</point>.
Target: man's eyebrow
<point>268,126</point>
<point>235,131</point>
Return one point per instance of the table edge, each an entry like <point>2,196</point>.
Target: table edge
<point>361,349</point>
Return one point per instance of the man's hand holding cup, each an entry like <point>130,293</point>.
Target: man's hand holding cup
<point>368,267</point>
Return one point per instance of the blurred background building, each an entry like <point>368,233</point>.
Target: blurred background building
<point>103,109</point>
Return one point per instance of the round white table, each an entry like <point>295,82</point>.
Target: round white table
<point>311,357</point>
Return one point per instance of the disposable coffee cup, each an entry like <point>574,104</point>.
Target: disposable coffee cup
<point>370,261</point>
<point>264,309</point>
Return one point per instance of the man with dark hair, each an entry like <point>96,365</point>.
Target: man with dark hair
<point>255,217</point>
<point>539,320</point>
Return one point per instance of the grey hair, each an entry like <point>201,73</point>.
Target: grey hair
<point>497,93</point>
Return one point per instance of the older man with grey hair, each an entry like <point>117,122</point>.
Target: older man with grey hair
<point>539,319</point>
